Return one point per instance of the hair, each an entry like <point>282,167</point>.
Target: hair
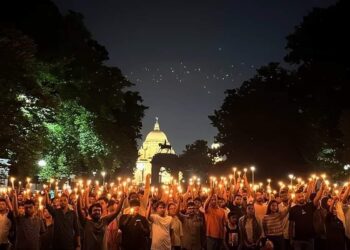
<point>111,202</point>
<point>131,194</point>
<point>29,202</point>
<point>237,195</point>
<point>191,204</point>
<point>268,211</point>
<point>171,204</point>
<point>2,200</point>
<point>231,214</point>
<point>94,205</point>
<point>64,196</point>
<point>160,203</point>
<point>250,204</point>
<point>104,198</point>
<point>198,199</point>
<point>134,203</point>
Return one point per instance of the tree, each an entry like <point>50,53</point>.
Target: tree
<point>24,104</point>
<point>70,69</point>
<point>197,158</point>
<point>294,119</point>
<point>259,125</point>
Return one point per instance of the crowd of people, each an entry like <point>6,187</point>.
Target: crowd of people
<point>229,214</point>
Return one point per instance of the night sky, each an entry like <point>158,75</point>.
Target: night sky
<point>183,54</point>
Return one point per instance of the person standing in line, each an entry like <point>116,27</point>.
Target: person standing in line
<point>249,229</point>
<point>95,225</point>
<point>301,218</point>
<point>273,225</point>
<point>215,219</point>
<point>176,233</point>
<point>161,224</point>
<point>5,224</point>
<point>135,228</point>
<point>66,234</point>
<point>28,227</point>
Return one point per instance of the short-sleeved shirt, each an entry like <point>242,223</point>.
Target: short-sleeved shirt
<point>66,228</point>
<point>260,212</point>
<point>161,232</point>
<point>273,224</point>
<point>215,222</point>
<point>93,233</point>
<point>135,232</point>
<point>302,216</point>
<point>192,227</point>
<point>28,231</point>
<point>176,227</point>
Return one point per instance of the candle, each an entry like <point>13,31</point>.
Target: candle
<point>13,182</point>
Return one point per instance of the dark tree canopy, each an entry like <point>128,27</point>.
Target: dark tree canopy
<point>294,119</point>
<point>197,158</point>
<point>84,96</point>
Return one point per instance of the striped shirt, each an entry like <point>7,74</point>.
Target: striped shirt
<point>273,224</point>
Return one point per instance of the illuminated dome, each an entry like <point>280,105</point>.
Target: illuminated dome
<point>150,146</point>
<point>156,135</point>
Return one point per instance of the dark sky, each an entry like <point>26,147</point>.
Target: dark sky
<point>183,54</point>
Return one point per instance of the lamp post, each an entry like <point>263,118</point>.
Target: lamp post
<point>252,168</point>
<point>103,173</point>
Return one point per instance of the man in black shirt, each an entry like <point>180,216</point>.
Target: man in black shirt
<point>96,225</point>
<point>301,220</point>
<point>66,230</point>
<point>135,228</point>
<point>236,207</point>
<point>28,227</point>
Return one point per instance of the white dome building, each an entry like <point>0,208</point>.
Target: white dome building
<point>149,148</point>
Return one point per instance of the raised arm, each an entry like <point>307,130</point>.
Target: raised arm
<point>15,204</point>
<point>109,218</point>
<point>147,190</point>
<point>319,194</point>
<point>206,203</point>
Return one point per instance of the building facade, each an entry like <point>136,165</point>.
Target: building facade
<point>153,144</point>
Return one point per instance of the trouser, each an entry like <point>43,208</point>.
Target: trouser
<point>347,241</point>
<point>320,243</point>
<point>214,243</point>
<point>303,244</point>
<point>278,242</point>
<point>287,244</point>
<point>4,246</point>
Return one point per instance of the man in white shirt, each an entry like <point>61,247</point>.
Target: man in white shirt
<point>161,224</point>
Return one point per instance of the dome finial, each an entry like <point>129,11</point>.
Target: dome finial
<point>156,125</point>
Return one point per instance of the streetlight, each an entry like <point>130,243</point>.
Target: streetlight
<point>103,173</point>
<point>252,168</point>
<point>42,163</point>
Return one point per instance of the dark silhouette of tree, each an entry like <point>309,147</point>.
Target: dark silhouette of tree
<point>294,119</point>
<point>196,159</point>
<point>71,69</point>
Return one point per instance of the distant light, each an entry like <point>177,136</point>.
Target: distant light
<point>42,163</point>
